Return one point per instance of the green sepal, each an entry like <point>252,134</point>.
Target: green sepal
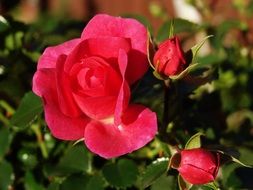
<point>194,141</point>
<point>212,185</point>
<point>158,76</point>
<point>184,72</point>
<point>193,52</point>
<point>182,184</point>
<point>171,30</point>
<point>76,142</point>
<point>195,49</point>
<point>233,159</point>
<point>149,41</point>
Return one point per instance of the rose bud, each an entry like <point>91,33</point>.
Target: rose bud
<point>169,59</point>
<point>199,166</point>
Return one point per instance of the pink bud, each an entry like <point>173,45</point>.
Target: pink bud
<point>169,59</point>
<point>199,166</point>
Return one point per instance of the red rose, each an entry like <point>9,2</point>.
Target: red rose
<point>85,86</point>
<point>199,166</point>
<point>169,59</point>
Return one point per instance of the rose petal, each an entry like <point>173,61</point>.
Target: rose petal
<point>138,127</point>
<point>50,55</point>
<point>96,107</point>
<point>124,94</point>
<point>66,100</point>
<point>61,126</point>
<point>105,47</point>
<point>195,175</point>
<point>100,105</point>
<point>109,26</point>
<point>205,159</point>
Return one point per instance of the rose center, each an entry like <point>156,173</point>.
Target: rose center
<point>90,79</point>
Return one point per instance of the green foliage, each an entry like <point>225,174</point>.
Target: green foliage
<point>121,174</point>
<point>71,162</point>
<point>180,25</point>
<point>153,172</point>
<point>31,183</point>
<point>30,107</point>
<point>164,183</point>
<point>6,175</point>
<point>5,141</point>
<point>216,100</point>
<point>3,24</point>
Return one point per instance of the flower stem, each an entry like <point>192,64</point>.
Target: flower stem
<point>166,105</point>
<point>164,135</point>
<point>40,140</point>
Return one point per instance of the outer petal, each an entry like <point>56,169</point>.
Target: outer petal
<point>138,127</point>
<point>201,158</point>
<point>65,97</point>
<point>61,126</point>
<point>105,25</point>
<point>195,175</point>
<point>50,55</point>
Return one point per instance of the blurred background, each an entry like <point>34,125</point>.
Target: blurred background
<point>220,104</point>
<point>216,11</point>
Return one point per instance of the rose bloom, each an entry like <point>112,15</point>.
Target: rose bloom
<point>169,59</point>
<point>199,166</point>
<point>85,86</point>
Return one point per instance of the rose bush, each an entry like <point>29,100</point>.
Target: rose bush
<point>169,59</point>
<point>198,166</point>
<point>85,86</point>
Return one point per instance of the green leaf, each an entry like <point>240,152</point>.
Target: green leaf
<point>14,40</point>
<point>194,141</point>
<point>53,186</point>
<point>164,183</point>
<point>4,25</point>
<point>75,182</point>
<point>121,174</point>
<point>95,183</point>
<point>76,159</point>
<point>229,178</point>
<point>30,107</point>
<point>27,158</point>
<point>5,141</point>
<point>83,182</point>
<point>154,171</point>
<point>31,183</point>
<point>180,25</point>
<point>182,184</point>
<point>238,118</point>
<point>225,27</point>
<point>246,155</point>
<point>6,173</point>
